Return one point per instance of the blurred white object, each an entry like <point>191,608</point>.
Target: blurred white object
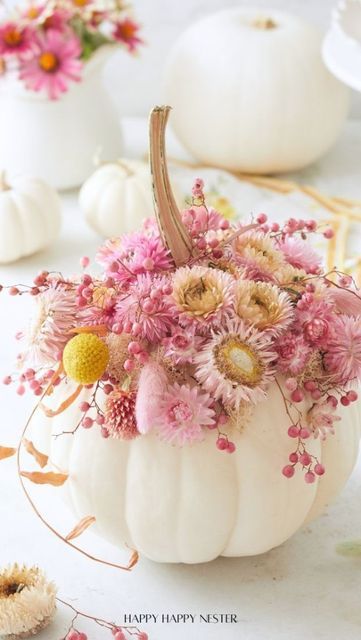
<point>118,197</point>
<point>57,140</point>
<point>342,44</point>
<point>30,217</point>
<point>251,93</point>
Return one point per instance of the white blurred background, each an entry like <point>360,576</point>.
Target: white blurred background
<point>163,21</point>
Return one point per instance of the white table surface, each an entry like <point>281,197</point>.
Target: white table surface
<point>300,590</point>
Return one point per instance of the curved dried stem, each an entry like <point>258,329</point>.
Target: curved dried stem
<point>172,230</point>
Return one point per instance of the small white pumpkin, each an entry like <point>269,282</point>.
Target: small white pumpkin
<point>250,92</point>
<point>117,197</point>
<point>30,217</point>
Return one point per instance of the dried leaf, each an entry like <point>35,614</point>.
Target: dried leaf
<point>133,559</point>
<point>38,477</point>
<point>40,458</point>
<point>6,452</point>
<point>80,527</point>
<point>50,413</point>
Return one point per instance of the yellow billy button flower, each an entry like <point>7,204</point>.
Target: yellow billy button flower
<point>85,358</point>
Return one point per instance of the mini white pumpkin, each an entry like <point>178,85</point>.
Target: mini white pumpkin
<point>192,504</point>
<point>117,197</point>
<point>30,217</point>
<point>251,92</point>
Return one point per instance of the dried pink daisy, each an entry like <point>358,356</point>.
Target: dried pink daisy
<point>54,63</point>
<point>258,255</point>
<point>316,318</point>
<point>56,315</point>
<point>236,365</point>
<point>300,254</point>
<point>120,421</point>
<point>321,418</point>
<point>343,355</point>
<point>126,31</point>
<point>182,414</point>
<point>203,297</point>
<point>263,305</point>
<point>146,309</point>
<point>15,40</point>
<point>182,346</point>
<point>293,354</point>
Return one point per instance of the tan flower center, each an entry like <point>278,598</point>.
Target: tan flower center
<point>48,61</point>
<point>81,3</point>
<point>201,298</point>
<point>238,362</point>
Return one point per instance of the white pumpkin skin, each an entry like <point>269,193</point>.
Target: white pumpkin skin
<point>195,503</point>
<point>117,197</point>
<point>30,217</point>
<point>254,99</point>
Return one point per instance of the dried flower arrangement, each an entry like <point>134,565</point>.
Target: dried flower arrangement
<point>47,43</point>
<point>28,604</point>
<point>191,322</point>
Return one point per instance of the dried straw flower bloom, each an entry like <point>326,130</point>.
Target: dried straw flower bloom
<point>27,602</point>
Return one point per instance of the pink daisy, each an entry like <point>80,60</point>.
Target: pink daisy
<point>152,314</point>
<point>15,39</point>
<point>54,64</point>
<point>57,20</point>
<point>343,355</point>
<point>236,365</point>
<point>182,414</point>
<point>300,254</point>
<point>347,301</point>
<point>182,346</point>
<point>316,318</point>
<point>293,354</point>
<point>126,32</point>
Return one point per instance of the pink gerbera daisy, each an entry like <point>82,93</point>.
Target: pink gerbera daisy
<point>53,65</point>
<point>236,365</point>
<point>15,39</point>
<point>343,355</point>
<point>300,254</point>
<point>126,32</point>
<point>182,414</point>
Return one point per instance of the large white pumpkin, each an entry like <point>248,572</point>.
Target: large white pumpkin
<point>195,503</point>
<point>251,92</point>
<point>30,216</point>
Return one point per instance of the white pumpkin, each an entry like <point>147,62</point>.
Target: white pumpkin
<point>117,197</point>
<point>195,503</point>
<point>250,91</point>
<point>30,217</point>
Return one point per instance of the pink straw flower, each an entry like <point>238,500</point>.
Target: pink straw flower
<point>182,414</point>
<point>15,39</point>
<point>321,418</point>
<point>293,354</point>
<point>343,356</point>
<point>126,32</point>
<point>300,254</point>
<point>54,64</point>
<point>182,346</point>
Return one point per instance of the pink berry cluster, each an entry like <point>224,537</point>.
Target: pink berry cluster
<point>34,381</point>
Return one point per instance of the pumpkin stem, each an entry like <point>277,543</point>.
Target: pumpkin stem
<point>172,230</point>
<point>264,23</point>
<point>4,185</point>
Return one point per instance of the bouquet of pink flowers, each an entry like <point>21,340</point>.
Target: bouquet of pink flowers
<point>48,43</point>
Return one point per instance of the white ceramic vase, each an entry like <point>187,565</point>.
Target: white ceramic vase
<point>58,140</point>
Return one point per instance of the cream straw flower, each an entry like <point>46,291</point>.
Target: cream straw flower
<point>257,251</point>
<point>236,364</point>
<point>263,305</point>
<point>27,602</point>
<point>202,296</point>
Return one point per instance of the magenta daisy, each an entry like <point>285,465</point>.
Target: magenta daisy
<point>293,354</point>
<point>152,314</point>
<point>343,355</point>
<point>300,254</point>
<point>126,31</point>
<point>48,333</point>
<point>182,414</point>
<point>120,421</point>
<point>53,65</point>
<point>203,297</point>
<point>236,365</point>
<point>15,39</point>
